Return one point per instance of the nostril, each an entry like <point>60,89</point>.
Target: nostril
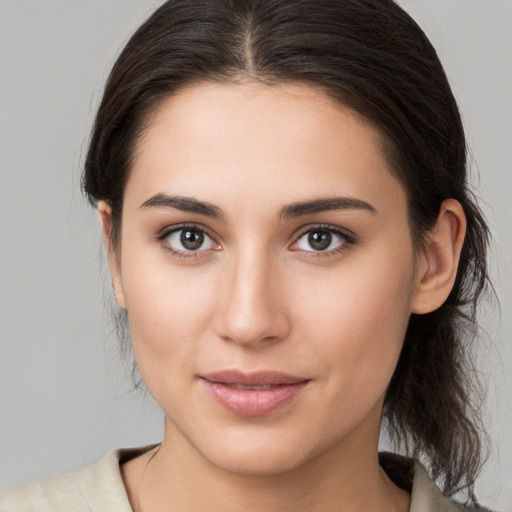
<point>269,330</point>
<point>251,309</point>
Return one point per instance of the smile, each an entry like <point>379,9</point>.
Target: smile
<point>254,394</point>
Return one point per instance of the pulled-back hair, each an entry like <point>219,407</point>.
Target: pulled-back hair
<point>374,59</point>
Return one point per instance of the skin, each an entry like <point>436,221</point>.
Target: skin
<point>258,297</point>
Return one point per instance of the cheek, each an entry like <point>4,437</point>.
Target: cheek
<point>168,312</point>
<point>358,321</point>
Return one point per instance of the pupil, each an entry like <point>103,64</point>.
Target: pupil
<point>192,240</point>
<point>320,240</point>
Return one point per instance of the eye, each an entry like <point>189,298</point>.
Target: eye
<point>321,240</point>
<point>189,239</point>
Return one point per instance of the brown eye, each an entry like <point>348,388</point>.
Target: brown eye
<point>322,240</point>
<point>190,239</point>
<point>319,240</point>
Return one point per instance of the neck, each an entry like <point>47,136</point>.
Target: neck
<point>351,477</point>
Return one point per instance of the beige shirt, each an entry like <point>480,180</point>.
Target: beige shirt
<point>99,488</point>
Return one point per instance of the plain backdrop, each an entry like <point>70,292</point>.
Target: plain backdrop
<point>65,396</point>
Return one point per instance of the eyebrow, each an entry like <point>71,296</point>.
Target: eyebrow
<point>185,204</point>
<point>325,205</point>
<point>189,204</point>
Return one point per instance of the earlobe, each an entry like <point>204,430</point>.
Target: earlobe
<point>438,263</point>
<point>112,253</point>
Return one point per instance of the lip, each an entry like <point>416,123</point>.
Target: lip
<point>253,394</point>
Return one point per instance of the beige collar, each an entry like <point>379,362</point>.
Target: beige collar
<point>99,487</point>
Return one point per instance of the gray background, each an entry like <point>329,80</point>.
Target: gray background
<point>65,396</point>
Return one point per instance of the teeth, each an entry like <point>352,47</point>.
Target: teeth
<point>255,388</point>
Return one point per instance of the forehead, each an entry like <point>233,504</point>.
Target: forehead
<point>270,140</point>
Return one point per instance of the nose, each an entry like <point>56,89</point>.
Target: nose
<point>252,306</point>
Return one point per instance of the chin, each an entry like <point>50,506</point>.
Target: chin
<point>260,455</point>
<point>262,463</point>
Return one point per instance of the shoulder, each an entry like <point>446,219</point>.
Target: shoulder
<point>425,494</point>
<point>95,487</point>
<point>426,489</point>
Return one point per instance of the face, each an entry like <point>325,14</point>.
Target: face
<point>267,267</point>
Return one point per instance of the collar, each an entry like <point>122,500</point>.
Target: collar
<point>412,476</point>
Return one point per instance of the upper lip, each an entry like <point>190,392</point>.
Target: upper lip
<point>258,378</point>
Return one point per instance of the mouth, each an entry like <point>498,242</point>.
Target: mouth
<point>242,386</point>
<point>253,394</point>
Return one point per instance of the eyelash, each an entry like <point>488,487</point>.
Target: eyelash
<point>166,232</point>
<point>347,240</point>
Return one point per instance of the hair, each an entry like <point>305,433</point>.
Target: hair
<point>370,56</point>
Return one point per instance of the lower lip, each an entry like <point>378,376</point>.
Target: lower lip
<point>253,402</point>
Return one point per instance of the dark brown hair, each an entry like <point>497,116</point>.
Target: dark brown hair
<point>373,58</point>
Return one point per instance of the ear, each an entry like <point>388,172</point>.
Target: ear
<point>438,262</point>
<point>112,252</point>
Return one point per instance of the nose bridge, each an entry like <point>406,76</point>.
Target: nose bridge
<point>252,310</point>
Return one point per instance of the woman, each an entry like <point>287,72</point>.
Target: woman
<point>282,189</point>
